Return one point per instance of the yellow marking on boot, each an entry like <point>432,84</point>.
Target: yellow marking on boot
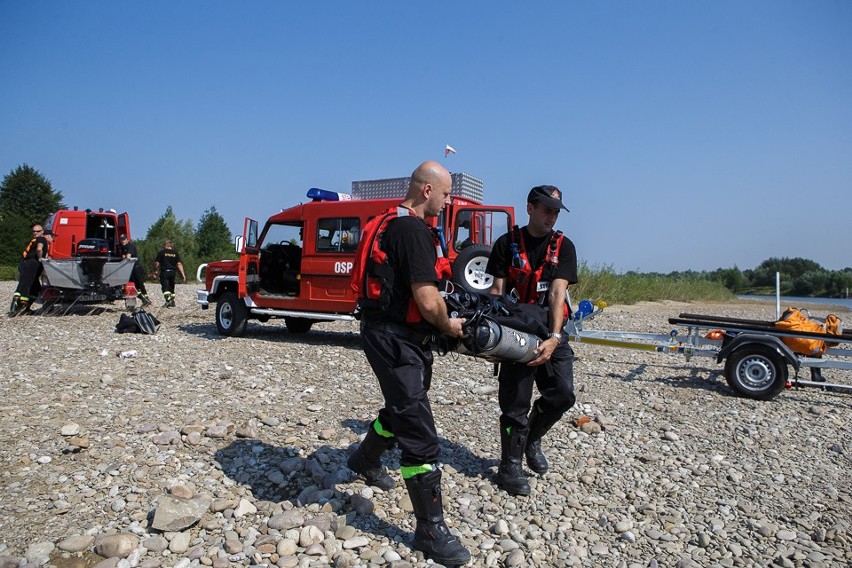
<point>380,430</point>
<point>409,471</point>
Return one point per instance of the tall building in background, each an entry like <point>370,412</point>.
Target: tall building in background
<point>464,185</point>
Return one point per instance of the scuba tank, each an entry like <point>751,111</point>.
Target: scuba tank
<point>489,340</point>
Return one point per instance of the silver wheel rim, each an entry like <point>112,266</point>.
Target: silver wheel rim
<point>475,275</point>
<point>226,315</point>
<point>755,373</point>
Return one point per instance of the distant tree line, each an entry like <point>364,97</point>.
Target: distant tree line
<point>27,197</point>
<point>799,277</point>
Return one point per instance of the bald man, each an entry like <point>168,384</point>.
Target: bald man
<point>397,343</point>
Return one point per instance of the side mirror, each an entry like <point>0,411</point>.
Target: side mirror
<point>238,243</point>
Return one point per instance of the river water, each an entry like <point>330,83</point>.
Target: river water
<point>787,301</point>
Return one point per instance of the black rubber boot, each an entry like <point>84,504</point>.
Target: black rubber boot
<point>539,425</point>
<point>19,304</point>
<point>432,537</point>
<point>366,461</point>
<point>816,375</point>
<point>510,474</point>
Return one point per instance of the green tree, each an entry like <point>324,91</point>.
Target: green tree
<point>790,269</point>
<point>26,198</point>
<point>182,235</point>
<point>213,237</point>
<point>731,278</point>
<point>811,283</point>
<point>839,281</point>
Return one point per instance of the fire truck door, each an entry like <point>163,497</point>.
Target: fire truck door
<point>123,228</point>
<point>249,276</point>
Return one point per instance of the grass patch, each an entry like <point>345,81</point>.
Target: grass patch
<point>604,284</point>
<point>9,273</point>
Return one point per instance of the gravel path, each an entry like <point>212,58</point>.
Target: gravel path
<point>215,451</point>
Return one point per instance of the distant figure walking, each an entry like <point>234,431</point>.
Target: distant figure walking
<point>165,266</point>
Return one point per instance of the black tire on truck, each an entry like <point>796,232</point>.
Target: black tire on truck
<point>298,325</point>
<point>231,315</point>
<point>756,371</point>
<point>469,269</point>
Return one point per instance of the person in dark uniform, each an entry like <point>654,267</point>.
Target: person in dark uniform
<point>29,270</point>
<point>538,264</point>
<point>399,352</point>
<point>128,250</point>
<point>166,265</point>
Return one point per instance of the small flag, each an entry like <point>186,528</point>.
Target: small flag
<point>449,150</point>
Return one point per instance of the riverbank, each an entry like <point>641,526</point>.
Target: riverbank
<point>254,432</point>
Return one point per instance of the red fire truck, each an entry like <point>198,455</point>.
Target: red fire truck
<point>297,266</point>
<point>84,265</point>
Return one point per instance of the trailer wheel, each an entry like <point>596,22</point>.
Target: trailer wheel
<point>469,269</point>
<point>231,315</point>
<point>298,325</point>
<point>757,372</point>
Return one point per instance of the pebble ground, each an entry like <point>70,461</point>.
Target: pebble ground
<point>244,440</point>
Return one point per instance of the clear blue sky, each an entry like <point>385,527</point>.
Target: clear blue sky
<point>685,134</point>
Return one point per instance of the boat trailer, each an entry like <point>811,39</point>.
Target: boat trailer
<point>85,280</point>
<point>756,360</point>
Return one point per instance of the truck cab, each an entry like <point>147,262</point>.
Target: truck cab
<point>297,265</point>
<point>101,227</point>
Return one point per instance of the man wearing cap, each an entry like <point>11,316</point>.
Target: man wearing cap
<point>536,264</point>
<point>128,250</point>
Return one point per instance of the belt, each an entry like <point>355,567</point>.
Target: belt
<point>402,331</point>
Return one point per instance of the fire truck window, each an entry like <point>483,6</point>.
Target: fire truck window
<point>463,237</point>
<point>339,234</point>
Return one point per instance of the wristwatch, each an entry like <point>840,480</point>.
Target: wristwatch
<point>555,334</point>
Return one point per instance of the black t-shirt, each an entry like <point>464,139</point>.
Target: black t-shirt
<point>410,246</point>
<point>168,259</point>
<point>31,252</point>
<point>536,247</point>
<point>130,249</point>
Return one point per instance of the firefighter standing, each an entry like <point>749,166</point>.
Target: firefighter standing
<point>539,264</point>
<point>128,250</point>
<point>399,352</point>
<point>29,270</point>
<point>166,265</point>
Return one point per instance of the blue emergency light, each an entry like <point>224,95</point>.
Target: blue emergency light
<point>318,194</point>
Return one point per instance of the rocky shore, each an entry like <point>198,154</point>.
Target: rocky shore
<point>212,451</point>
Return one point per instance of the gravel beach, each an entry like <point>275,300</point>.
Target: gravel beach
<point>213,451</point>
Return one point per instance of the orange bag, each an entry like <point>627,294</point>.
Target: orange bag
<point>795,320</point>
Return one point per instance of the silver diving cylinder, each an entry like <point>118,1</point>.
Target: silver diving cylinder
<point>494,342</point>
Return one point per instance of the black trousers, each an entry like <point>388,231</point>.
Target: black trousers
<point>403,365</point>
<point>556,391</point>
<point>28,282</point>
<point>138,278</point>
<point>167,280</point>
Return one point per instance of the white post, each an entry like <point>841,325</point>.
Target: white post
<point>777,295</point>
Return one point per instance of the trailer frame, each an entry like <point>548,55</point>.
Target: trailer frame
<point>756,360</point>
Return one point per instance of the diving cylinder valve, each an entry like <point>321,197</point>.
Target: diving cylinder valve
<point>498,343</point>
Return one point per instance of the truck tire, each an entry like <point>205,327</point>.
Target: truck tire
<point>469,269</point>
<point>298,325</point>
<point>756,371</point>
<point>231,315</point>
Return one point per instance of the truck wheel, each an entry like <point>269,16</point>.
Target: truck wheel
<point>231,315</point>
<point>469,269</point>
<point>298,325</point>
<point>757,372</point>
